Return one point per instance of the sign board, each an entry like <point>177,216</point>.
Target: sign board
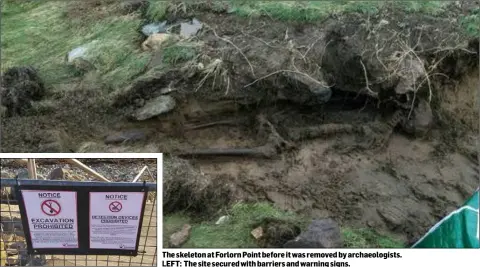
<point>82,220</point>
<point>115,219</point>
<point>52,226</point>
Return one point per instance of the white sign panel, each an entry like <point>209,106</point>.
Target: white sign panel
<point>115,219</point>
<point>52,218</point>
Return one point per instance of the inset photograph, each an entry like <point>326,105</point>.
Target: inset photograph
<point>78,212</point>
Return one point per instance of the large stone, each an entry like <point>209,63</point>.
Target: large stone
<point>57,174</point>
<point>152,28</point>
<point>421,121</point>
<point>188,30</point>
<point>154,107</point>
<point>155,41</point>
<point>179,238</point>
<point>324,233</point>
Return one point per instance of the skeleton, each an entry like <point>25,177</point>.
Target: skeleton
<point>376,134</point>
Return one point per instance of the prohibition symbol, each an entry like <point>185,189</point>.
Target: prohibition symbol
<point>51,207</point>
<point>115,206</point>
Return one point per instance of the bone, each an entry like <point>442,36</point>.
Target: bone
<point>213,124</point>
<point>266,151</point>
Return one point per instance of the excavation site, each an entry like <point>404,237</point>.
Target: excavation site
<point>365,113</point>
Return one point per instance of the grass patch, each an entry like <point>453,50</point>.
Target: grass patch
<point>317,10</point>
<point>368,238</point>
<point>471,22</point>
<point>179,53</point>
<point>235,233</point>
<point>156,11</point>
<point>41,34</point>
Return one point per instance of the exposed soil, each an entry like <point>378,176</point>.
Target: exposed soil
<point>417,173</point>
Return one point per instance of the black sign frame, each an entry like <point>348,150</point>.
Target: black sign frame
<point>83,217</point>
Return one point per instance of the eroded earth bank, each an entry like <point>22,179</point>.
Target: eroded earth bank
<point>370,120</point>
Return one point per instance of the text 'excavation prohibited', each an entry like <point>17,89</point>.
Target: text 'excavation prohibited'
<point>52,218</point>
<point>115,219</point>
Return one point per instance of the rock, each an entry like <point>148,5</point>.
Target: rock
<point>133,135</point>
<point>222,220</point>
<point>155,41</point>
<point>421,120</point>
<point>154,107</point>
<point>152,28</point>
<point>423,117</point>
<point>130,6</point>
<point>81,51</point>
<point>20,86</point>
<point>57,174</point>
<point>179,238</point>
<point>257,233</point>
<point>188,30</point>
<point>64,174</point>
<point>411,69</point>
<point>324,233</point>
<point>80,58</point>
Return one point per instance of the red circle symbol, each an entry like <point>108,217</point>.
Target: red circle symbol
<point>51,207</point>
<point>115,206</point>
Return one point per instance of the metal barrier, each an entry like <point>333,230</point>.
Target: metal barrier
<point>13,249</point>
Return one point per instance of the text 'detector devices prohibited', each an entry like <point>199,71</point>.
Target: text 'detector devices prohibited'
<point>115,219</point>
<point>52,218</point>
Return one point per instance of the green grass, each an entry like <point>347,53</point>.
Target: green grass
<point>178,53</point>
<point>41,34</point>
<point>471,22</point>
<point>235,233</point>
<point>157,10</point>
<point>318,10</point>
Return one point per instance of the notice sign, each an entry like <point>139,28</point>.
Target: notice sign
<point>52,218</point>
<point>115,219</point>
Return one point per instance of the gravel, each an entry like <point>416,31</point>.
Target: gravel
<point>115,172</point>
